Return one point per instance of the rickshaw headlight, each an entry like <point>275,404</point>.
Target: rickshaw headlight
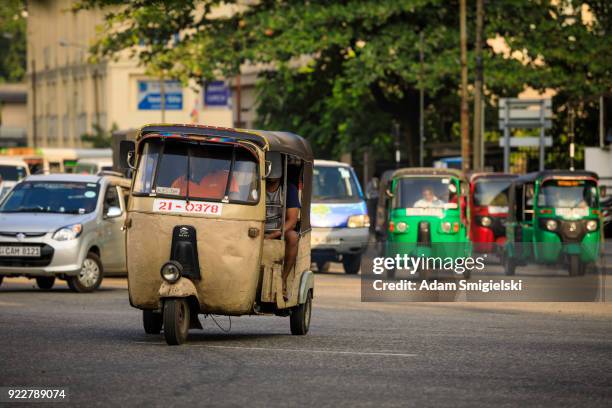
<point>446,226</point>
<point>358,221</point>
<point>485,221</point>
<point>551,225</point>
<point>171,271</point>
<point>591,225</point>
<point>401,227</point>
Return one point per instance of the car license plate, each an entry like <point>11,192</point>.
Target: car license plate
<point>29,251</point>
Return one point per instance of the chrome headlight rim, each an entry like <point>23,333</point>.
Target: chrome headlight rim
<point>171,271</point>
<point>486,221</point>
<point>446,227</point>
<point>591,225</point>
<point>401,227</point>
<point>551,225</point>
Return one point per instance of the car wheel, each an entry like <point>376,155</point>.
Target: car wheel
<point>300,317</point>
<point>176,321</point>
<point>89,277</point>
<point>151,321</point>
<point>351,263</point>
<point>45,282</point>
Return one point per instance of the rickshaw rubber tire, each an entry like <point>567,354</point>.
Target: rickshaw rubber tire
<point>300,317</point>
<point>152,322</point>
<point>575,266</point>
<point>509,266</point>
<point>175,331</point>
<point>351,264</point>
<point>45,282</point>
<point>73,281</point>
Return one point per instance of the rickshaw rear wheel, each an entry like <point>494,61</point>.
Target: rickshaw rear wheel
<point>151,321</point>
<point>575,266</point>
<point>176,321</point>
<point>300,317</point>
<point>45,282</point>
<point>351,264</point>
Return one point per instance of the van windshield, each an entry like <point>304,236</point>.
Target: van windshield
<point>198,170</point>
<point>492,191</point>
<point>12,173</point>
<point>334,183</point>
<point>52,197</point>
<point>568,194</point>
<point>425,192</point>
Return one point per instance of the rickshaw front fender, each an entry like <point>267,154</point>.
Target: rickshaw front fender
<point>183,288</point>
<point>306,284</point>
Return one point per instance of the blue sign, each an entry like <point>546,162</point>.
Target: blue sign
<point>216,93</point>
<point>149,95</point>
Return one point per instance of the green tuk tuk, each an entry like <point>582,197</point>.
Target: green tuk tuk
<point>424,212</point>
<point>554,217</point>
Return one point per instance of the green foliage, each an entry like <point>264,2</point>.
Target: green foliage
<point>100,137</point>
<point>341,72</point>
<point>12,41</point>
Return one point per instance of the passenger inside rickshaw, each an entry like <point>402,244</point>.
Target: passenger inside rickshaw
<point>276,201</point>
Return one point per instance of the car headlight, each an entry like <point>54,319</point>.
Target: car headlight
<point>446,226</point>
<point>551,225</point>
<point>358,221</point>
<point>591,225</point>
<point>171,271</point>
<point>68,232</point>
<point>485,221</point>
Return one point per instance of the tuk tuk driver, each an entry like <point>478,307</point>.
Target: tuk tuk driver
<point>274,214</point>
<point>428,199</point>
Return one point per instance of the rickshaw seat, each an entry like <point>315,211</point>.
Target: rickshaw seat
<point>273,251</point>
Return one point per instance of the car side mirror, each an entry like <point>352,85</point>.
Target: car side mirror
<point>603,192</point>
<point>113,212</point>
<point>127,154</point>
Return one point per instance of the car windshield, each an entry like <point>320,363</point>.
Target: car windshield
<point>12,173</point>
<point>568,194</point>
<point>52,197</point>
<point>493,191</point>
<point>334,183</point>
<point>198,170</point>
<point>424,192</point>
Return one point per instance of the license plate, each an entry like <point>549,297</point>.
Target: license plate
<point>19,251</point>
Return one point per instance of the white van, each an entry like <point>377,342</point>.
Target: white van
<point>12,171</point>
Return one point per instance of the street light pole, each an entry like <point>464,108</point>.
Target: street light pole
<point>421,103</point>
<point>465,114</point>
<point>478,84</point>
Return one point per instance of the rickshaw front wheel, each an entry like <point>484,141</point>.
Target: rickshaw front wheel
<point>300,317</point>
<point>152,322</point>
<point>575,266</point>
<point>176,321</point>
<point>509,265</point>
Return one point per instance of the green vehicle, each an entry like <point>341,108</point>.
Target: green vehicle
<point>424,212</point>
<point>555,217</point>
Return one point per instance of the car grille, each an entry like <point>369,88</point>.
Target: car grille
<point>46,255</point>
<point>25,234</point>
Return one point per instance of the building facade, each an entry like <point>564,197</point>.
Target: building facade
<point>68,96</point>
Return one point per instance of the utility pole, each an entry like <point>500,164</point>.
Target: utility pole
<point>478,84</point>
<point>162,94</point>
<point>421,103</point>
<point>465,114</point>
<point>34,125</point>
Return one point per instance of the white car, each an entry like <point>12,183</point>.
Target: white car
<point>12,170</point>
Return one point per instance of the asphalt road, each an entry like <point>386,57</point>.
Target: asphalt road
<point>356,354</point>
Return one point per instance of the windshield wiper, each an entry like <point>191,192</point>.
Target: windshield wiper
<point>26,209</point>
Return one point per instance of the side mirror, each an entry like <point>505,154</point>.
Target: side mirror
<point>529,191</point>
<point>603,192</point>
<point>389,193</point>
<point>127,154</point>
<point>268,169</point>
<point>113,212</point>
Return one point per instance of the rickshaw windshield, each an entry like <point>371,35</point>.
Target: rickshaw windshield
<point>568,194</point>
<point>425,192</point>
<point>492,192</point>
<point>198,170</point>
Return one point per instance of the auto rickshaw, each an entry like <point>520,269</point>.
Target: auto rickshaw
<point>554,217</point>
<point>489,210</point>
<point>195,227</point>
<point>424,212</point>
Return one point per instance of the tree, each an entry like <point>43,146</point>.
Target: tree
<point>12,41</point>
<point>341,72</point>
<point>100,138</point>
